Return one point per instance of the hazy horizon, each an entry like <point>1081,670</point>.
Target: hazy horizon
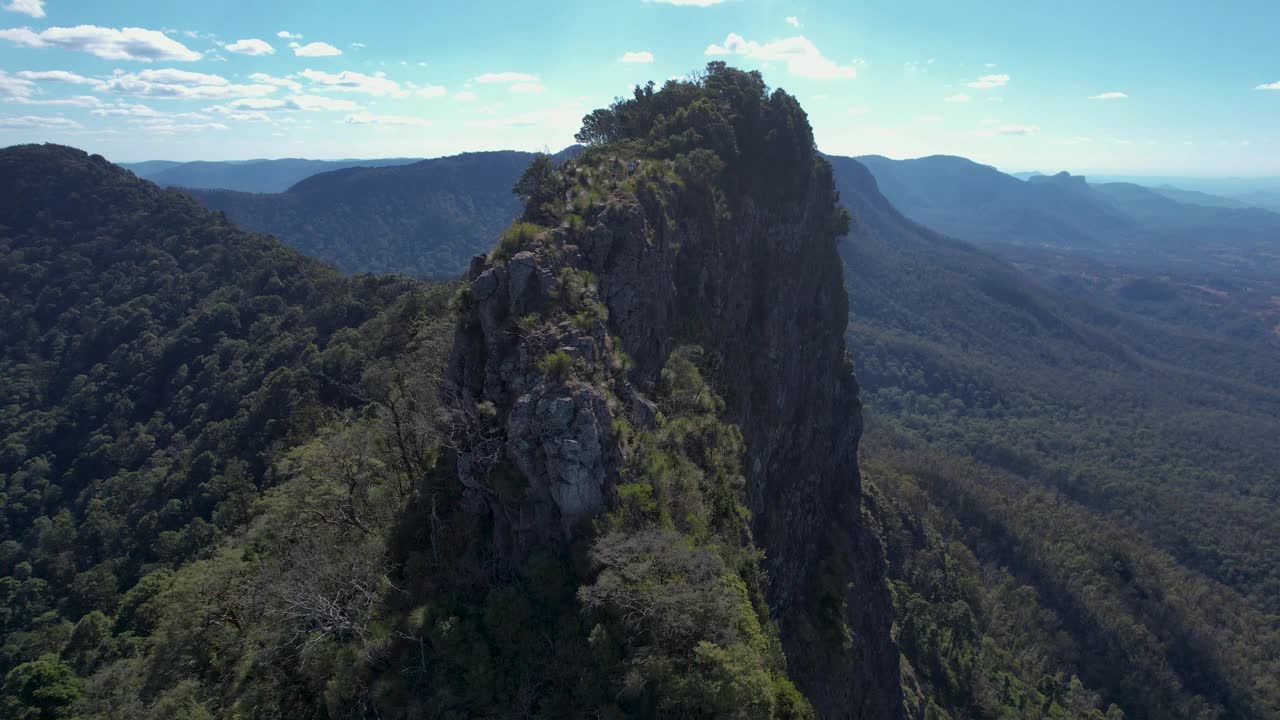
<point>1114,175</point>
<point>1002,84</point>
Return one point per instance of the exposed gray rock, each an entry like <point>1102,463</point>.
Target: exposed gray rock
<point>759,286</point>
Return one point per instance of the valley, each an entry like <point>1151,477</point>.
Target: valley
<point>688,419</point>
<point>1057,353</point>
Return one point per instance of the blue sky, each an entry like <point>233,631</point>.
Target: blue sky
<point>1119,86</point>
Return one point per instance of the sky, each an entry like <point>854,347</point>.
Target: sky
<point>1128,86</point>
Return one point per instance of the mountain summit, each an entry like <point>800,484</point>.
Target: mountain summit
<point>651,366</point>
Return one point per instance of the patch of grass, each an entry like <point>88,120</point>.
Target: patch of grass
<point>514,238</point>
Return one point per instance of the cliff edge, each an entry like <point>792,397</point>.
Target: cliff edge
<point>697,234</point>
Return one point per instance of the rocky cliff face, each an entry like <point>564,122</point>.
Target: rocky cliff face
<point>746,267</point>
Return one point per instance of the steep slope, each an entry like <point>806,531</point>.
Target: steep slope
<point>1155,432</point>
<point>695,239</point>
<point>254,176</point>
<point>1115,222</point>
<point>977,203</point>
<point>423,219</point>
<point>160,365</point>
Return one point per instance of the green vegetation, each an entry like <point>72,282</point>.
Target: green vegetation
<point>978,642</point>
<point>558,364</point>
<point>227,488</point>
<point>206,439</point>
<point>1117,468</point>
<point>657,609</point>
<point>658,612</point>
<point>426,219</point>
<point>230,491</point>
<point>1066,594</point>
<point>515,237</point>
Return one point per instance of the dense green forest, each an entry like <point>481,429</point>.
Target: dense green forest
<point>426,219</point>
<point>228,482</point>
<point>160,367</point>
<point>1006,589</point>
<point>1145,446</point>
<point>230,486</point>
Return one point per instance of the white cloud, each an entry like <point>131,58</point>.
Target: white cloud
<point>317,103</point>
<point>249,104</point>
<point>1017,130</point>
<point>928,118</point>
<point>859,109</point>
<point>316,49</point>
<point>365,118</point>
<point>251,115</point>
<point>34,8</point>
<point>989,65</point>
<point>359,46</point>
<point>107,43</point>
<point>565,118</point>
<point>505,78</point>
<point>251,46</point>
<point>431,91</point>
<point>143,112</point>
<point>1269,86</point>
<point>173,76</point>
<point>993,129</point>
<point>801,56</point>
<point>288,35</point>
<point>32,121</point>
<point>83,101</point>
<point>958,98</point>
<point>168,127</point>
<point>283,82</point>
<point>348,81</point>
<point>528,88</point>
<point>1109,96</point>
<point>464,96</point>
<point>180,84</point>
<point>691,3</point>
<point>793,21</point>
<point>15,87</point>
<point>60,76</point>
<point>642,56</point>
<point>262,109</point>
<point>990,81</point>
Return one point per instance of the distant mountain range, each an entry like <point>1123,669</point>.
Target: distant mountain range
<point>259,176</point>
<point>426,219</point>
<point>1117,222</point>
<point>1140,529</point>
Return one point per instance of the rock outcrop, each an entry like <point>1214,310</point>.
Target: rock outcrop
<point>743,263</point>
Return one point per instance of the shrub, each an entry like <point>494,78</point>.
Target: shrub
<point>557,365</point>
<point>589,315</point>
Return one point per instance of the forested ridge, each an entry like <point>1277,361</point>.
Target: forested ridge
<point>1118,468</point>
<point>159,366</point>
<point>229,480</point>
<point>425,219</point>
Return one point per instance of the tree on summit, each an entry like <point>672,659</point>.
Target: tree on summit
<point>539,185</point>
